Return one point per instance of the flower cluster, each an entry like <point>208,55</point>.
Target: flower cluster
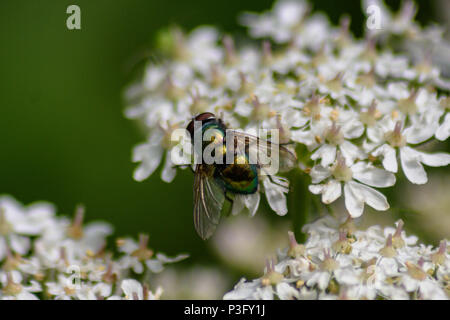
<point>44,256</point>
<point>339,262</point>
<point>357,110</point>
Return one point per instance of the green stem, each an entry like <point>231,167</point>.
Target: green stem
<point>299,202</point>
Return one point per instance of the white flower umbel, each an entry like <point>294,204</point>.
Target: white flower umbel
<point>315,82</point>
<point>45,256</point>
<point>395,138</point>
<point>339,262</point>
<point>340,175</point>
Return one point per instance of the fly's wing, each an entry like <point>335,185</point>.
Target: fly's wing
<point>209,197</point>
<point>264,152</point>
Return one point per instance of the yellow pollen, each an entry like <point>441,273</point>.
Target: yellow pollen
<point>329,264</point>
<point>416,272</point>
<point>90,253</point>
<point>12,288</point>
<point>334,116</point>
<point>120,242</point>
<point>318,139</point>
<point>394,114</point>
<point>69,291</point>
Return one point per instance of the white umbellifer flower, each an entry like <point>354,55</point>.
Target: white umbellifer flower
<point>321,87</point>
<point>151,153</point>
<point>17,222</point>
<point>133,290</point>
<point>339,262</point>
<point>411,159</point>
<point>64,243</point>
<point>14,289</point>
<point>46,256</point>
<point>138,256</point>
<point>156,265</point>
<point>356,194</point>
<point>279,23</point>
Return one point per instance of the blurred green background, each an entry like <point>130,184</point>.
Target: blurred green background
<point>63,137</point>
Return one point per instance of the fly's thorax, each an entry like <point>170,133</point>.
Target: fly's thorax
<point>213,133</point>
<point>212,147</point>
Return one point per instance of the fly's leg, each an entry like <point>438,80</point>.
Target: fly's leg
<point>277,183</point>
<point>227,197</point>
<point>227,209</point>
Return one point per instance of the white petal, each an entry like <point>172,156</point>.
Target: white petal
<point>238,204</point>
<point>287,292</point>
<point>412,167</point>
<point>375,134</point>
<point>276,197</point>
<point>242,290</point>
<point>331,191</point>
<point>372,176</point>
<point>353,203</point>
<point>353,129</point>
<point>96,230</point>
<point>165,259</point>
<point>316,188</point>
<point>154,265</point>
<point>305,137</point>
<point>319,173</point>
<point>293,118</point>
<point>20,244</point>
<point>443,132</point>
<point>372,197</point>
<point>24,295</point>
<point>324,279</point>
<point>138,267</point>
<point>2,248</point>
<point>351,152</point>
<point>266,293</point>
<point>389,157</point>
<point>252,202</point>
<point>168,173</point>
<point>327,153</point>
<point>150,157</point>
<point>440,159</point>
<point>420,132</point>
<point>131,287</point>
<point>156,136</point>
<point>103,289</point>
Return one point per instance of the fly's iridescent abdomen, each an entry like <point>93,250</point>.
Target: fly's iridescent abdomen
<point>239,177</point>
